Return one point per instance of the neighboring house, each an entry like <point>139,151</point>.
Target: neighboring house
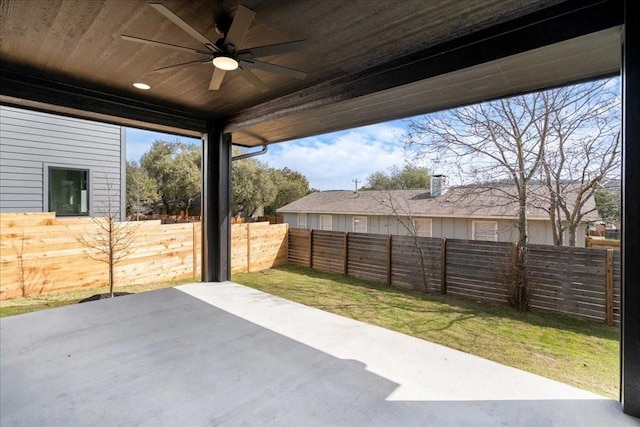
<point>478,213</point>
<point>51,163</point>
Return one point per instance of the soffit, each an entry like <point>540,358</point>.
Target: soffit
<point>68,56</point>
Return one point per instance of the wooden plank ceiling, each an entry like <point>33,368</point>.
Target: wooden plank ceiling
<point>367,60</point>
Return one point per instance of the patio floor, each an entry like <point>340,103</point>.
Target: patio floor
<point>225,354</point>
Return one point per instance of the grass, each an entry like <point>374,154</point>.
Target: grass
<point>41,302</point>
<point>581,353</point>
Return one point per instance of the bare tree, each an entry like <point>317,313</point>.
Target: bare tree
<point>500,141</point>
<point>111,240</point>
<point>31,279</point>
<point>565,138</point>
<point>400,205</point>
<point>583,150</point>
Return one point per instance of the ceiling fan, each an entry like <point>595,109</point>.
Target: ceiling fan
<point>225,53</point>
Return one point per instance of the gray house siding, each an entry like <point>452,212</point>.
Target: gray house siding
<point>31,142</point>
<point>454,228</point>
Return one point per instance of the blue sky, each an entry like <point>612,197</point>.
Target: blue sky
<point>330,162</point>
<point>139,141</point>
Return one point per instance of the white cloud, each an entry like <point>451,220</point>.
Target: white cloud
<point>330,162</point>
<point>333,161</point>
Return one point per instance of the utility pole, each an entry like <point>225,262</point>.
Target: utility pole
<point>356,181</point>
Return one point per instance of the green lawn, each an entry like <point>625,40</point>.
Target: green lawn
<point>581,353</point>
<point>584,354</point>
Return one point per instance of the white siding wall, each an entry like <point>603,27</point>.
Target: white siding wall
<point>453,228</point>
<point>31,141</point>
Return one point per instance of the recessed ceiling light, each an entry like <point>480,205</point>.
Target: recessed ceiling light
<point>142,86</point>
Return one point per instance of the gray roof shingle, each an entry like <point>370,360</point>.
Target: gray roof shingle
<point>461,202</point>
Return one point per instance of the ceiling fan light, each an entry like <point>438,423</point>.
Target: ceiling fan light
<point>225,63</point>
<point>142,86</point>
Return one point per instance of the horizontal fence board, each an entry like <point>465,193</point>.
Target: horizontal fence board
<point>475,283</point>
<point>371,276</point>
<point>569,285</point>
<point>327,251</point>
<point>560,303</point>
<point>575,299</point>
<point>580,310</point>
<point>41,253</point>
<point>365,265</point>
<point>299,241</point>
<point>565,280</point>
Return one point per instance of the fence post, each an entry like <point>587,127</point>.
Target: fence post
<point>609,292</point>
<point>310,248</point>
<point>389,259</point>
<point>515,293</point>
<point>346,253</point>
<point>195,251</point>
<point>248,247</point>
<point>443,265</point>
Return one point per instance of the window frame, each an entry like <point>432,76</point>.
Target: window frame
<point>416,228</point>
<point>49,168</point>
<point>474,224</point>
<point>360,219</point>
<point>321,222</point>
<point>302,224</point>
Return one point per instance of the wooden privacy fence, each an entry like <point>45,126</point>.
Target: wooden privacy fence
<point>583,282</point>
<point>40,253</point>
<point>602,243</point>
<point>257,246</point>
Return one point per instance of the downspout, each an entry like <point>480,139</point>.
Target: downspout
<point>247,155</point>
<point>123,175</point>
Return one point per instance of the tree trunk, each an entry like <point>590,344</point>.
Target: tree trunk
<point>111,276</point>
<point>521,282</point>
<point>572,234</point>
<point>556,220</point>
<point>425,283</point>
<point>560,231</point>
<point>111,254</point>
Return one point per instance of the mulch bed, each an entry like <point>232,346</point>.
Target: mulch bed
<point>104,296</point>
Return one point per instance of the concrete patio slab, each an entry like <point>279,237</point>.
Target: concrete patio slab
<point>224,354</point>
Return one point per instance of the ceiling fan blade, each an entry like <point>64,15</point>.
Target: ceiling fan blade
<point>162,44</point>
<point>216,78</point>
<point>273,49</point>
<point>169,67</point>
<point>239,27</point>
<point>273,68</point>
<point>253,79</point>
<point>180,23</point>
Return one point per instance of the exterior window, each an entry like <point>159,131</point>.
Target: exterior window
<point>422,227</point>
<point>485,230</point>
<point>302,220</point>
<point>68,191</point>
<point>360,224</point>
<point>325,222</point>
